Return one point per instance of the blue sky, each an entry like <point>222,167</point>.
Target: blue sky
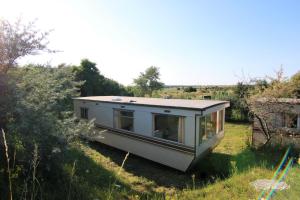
<point>192,42</point>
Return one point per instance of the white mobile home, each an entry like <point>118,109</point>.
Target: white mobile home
<point>173,132</point>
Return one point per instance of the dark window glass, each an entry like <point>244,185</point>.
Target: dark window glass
<point>84,113</point>
<point>169,127</point>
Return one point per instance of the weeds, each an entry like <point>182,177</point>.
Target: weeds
<point>10,195</point>
<point>35,163</point>
<point>113,186</point>
<point>68,179</point>
<point>193,180</point>
<point>71,179</point>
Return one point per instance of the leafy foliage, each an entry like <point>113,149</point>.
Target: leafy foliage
<point>42,95</point>
<point>18,40</point>
<point>95,84</point>
<point>265,102</point>
<point>190,89</point>
<point>41,115</point>
<point>294,85</point>
<point>147,82</point>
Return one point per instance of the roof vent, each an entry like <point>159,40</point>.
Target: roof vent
<point>116,99</point>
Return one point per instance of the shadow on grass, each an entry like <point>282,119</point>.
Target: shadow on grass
<point>221,166</point>
<point>141,167</point>
<point>214,166</point>
<point>90,180</point>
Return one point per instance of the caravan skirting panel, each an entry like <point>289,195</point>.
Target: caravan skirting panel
<point>156,152</point>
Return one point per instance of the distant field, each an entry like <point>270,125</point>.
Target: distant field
<point>180,92</point>
<point>224,174</point>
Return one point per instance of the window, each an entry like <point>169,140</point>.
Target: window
<point>207,126</point>
<point>168,127</point>
<point>123,119</point>
<point>211,124</point>
<point>221,120</point>
<point>84,113</point>
<point>289,120</point>
<point>202,129</point>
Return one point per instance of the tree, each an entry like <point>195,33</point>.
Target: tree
<point>42,98</point>
<point>190,89</point>
<point>95,83</point>
<point>295,85</point>
<point>264,100</point>
<point>41,116</point>
<point>18,40</point>
<point>241,93</point>
<point>93,80</point>
<point>148,81</point>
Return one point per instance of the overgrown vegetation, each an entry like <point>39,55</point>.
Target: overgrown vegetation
<point>43,158</point>
<point>224,174</point>
<point>264,103</point>
<point>37,119</point>
<point>147,82</point>
<point>235,94</point>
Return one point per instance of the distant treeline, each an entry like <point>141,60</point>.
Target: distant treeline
<point>235,94</point>
<point>198,86</point>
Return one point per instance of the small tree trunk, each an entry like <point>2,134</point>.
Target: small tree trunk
<point>265,129</point>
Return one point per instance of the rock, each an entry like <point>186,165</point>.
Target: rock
<point>266,184</point>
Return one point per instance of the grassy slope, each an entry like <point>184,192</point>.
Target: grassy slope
<point>224,174</point>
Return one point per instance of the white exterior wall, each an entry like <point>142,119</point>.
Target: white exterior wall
<point>103,115</point>
<point>143,123</point>
<point>189,138</point>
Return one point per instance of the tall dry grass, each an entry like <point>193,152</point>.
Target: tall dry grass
<point>8,170</point>
<point>113,185</point>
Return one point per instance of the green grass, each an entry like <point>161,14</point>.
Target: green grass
<point>226,173</point>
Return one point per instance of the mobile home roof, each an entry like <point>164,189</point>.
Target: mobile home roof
<point>157,102</point>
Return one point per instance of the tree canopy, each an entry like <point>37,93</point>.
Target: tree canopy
<point>18,40</point>
<point>148,81</point>
<point>265,100</point>
<point>95,83</point>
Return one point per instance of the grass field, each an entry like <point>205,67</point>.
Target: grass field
<point>224,174</point>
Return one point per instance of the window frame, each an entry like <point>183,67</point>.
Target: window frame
<point>116,126</point>
<point>180,120</point>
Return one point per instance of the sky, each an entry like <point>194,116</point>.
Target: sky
<point>212,42</point>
